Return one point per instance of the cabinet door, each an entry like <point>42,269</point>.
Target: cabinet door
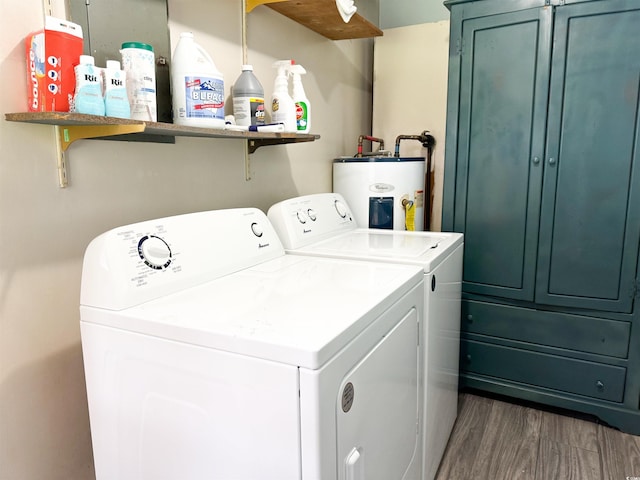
<point>500,130</point>
<point>590,217</point>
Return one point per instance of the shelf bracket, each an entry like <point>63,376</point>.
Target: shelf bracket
<point>251,4</point>
<point>247,161</point>
<point>67,134</point>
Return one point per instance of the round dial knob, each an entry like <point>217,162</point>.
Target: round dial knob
<point>301,217</point>
<point>341,208</point>
<point>312,214</point>
<point>155,252</point>
<point>256,229</point>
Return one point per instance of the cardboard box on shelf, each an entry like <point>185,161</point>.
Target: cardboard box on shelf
<point>51,54</point>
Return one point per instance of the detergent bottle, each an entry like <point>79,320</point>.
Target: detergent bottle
<point>197,86</point>
<point>283,109</point>
<point>303,106</point>
<point>248,98</point>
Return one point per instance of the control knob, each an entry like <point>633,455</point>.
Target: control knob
<point>311,213</point>
<point>257,229</point>
<point>341,208</point>
<point>155,252</point>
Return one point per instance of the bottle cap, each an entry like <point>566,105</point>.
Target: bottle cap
<point>247,68</point>
<point>143,46</point>
<point>113,64</point>
<point>87,60</point>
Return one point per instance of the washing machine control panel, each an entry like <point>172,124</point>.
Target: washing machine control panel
<point>139,262</point>
<point>303,220</point>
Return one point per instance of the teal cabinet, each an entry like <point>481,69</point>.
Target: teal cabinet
<point>503,89</point>
<point>591,200</point>
<point>542,163</point>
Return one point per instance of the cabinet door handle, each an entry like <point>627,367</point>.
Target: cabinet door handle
<point>536,160</point>
<point>552,161</point>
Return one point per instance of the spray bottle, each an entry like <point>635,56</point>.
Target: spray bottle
<point>283,109</point>
<point>303,106</point>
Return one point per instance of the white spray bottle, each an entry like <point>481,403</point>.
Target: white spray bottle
<point>283,109</point>
<point>303,106</point>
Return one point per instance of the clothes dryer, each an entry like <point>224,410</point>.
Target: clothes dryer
<point>324,225</point>
<point>209,353</point>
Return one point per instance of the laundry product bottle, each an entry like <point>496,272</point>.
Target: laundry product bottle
<point>116,102</point>
<point>303,105</point>
<point>248,98</point>
<point>197,86</point>
<point>283,109</point>
<point>88,95</point>
<point>138,61</point>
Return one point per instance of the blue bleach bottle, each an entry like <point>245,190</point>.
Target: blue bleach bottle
<point>88,97</point>
<point>116,102</point>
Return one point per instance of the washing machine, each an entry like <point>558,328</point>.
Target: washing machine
<point>209,353</point>
<point>324,225</point>
<point>383,192</point>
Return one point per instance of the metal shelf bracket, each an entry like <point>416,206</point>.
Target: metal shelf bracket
<point>67,134</point>
<point>251,4</point>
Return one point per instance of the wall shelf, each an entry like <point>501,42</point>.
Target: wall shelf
<point>71,127</point>
<point>322,17</point>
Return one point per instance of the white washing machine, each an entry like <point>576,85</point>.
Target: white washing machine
<point>210,354</point>
<point>323,225</point>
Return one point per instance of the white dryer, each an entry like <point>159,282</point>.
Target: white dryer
<point>323,225</point>
<point>210,354</point>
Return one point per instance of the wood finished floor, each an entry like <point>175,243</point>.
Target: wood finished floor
<point>498,440</point>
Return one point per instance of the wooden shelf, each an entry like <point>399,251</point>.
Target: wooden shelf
<point>322,17</point>
<point>79,126</point>
<point>71,127</point>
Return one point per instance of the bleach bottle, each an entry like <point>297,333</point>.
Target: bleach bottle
<point>303,106</point>
<point>197,86</point>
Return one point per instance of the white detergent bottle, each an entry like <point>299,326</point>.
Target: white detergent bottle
<point>116,102</point>
<point>197,86</point>
<point>88,97</point>
<point>303,106</point>
<point>283,109</point>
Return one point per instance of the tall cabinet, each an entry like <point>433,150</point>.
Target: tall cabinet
<point>542,163</point>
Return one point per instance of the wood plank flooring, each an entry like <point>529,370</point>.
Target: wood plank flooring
<point>499,440</point>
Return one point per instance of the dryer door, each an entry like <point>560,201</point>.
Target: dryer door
<point>377,410</point>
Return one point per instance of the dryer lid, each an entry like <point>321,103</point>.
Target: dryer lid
<point>294,309</point>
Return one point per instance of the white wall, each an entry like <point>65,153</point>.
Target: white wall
<point>401,13</point>
<point>410,94</point>
<point>44,429</point>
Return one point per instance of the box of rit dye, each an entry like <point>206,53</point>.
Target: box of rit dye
<point>51,55</point>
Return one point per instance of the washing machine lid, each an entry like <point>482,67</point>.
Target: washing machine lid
<point>426,249</point>
<point>294,309</point>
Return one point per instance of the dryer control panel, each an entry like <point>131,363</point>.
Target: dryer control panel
<point>308,219</point>
<point>136,263</point>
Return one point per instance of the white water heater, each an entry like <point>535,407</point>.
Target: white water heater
<point>383,192</point>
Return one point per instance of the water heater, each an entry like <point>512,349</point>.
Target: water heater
<point>383,192</point>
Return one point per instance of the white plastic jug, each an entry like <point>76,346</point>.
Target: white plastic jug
<point>138,61</point>
<point>197,86</point>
